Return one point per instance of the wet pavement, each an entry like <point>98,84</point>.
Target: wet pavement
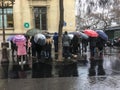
<point>72,75</point>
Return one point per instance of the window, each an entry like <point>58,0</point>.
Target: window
<point>8,17</point>
<point>40,15</point>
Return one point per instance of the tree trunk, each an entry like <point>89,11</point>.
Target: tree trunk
<point>61,20</point>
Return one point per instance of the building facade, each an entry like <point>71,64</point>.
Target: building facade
<point>41,14</point>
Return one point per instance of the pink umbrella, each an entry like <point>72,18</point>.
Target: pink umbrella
<point>18,38</point>
<point>90,33</point>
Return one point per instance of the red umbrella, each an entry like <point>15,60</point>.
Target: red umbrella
<point>91,33</point>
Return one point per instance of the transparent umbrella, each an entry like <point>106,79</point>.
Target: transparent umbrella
<point>32,32</point>
<point>40,39</point>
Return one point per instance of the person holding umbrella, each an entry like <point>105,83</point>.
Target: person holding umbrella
<point>100,46</point>
<point>13,45</point>
<point>75,44</point>
<point>92,44</point>
<point>92,41</point>
<point>20,42</point>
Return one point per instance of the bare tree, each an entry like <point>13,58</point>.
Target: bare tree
<point>98,13</point>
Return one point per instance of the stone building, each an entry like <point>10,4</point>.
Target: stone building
<point>42,14</point>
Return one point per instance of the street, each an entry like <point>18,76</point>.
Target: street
<point>47,75</point>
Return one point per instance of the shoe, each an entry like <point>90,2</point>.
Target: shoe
<point>19,63</point>
<point>24,62</point>
<point>101,72</point>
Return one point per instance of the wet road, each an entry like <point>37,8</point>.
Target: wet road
<point>68,76</point>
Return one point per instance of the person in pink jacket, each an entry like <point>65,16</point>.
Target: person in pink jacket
<point>21,50</point>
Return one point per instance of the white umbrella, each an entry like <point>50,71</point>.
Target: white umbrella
<point>70,35</point>
<point>40,39</point>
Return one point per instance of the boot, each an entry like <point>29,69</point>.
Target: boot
<point>101,70</point>
<point>92,71</point>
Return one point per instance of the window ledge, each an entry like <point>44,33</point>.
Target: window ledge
<point>7,29</point>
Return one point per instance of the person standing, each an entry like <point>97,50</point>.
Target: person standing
<point>55,39</point>
<point>48,47</point>
<point>84,45</point>
<point>92,45</point>
<point>66,45</point>
<point>100,44</point>
<point>21,51</point>
<point>33,46</point>
<point>75,44</point>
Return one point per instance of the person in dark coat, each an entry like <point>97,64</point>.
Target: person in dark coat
<point>66,45</point>
<point>55,39</point>
<point>33,45</point>
<point>100,44</point>
<point>13,47</point>
<point>74,44</point>
<point>84,45</point>
<point>92,45</point>
<point>97,53</point>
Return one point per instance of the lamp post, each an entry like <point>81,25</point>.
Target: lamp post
<point>4,4</point>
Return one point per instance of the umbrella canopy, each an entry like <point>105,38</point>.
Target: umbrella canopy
<point>77,33</point>
<point>32,32</point>
<point>40,39</point>
<point>102,34</point>
<point>10,38</point>
<point>82,35</point>
<point>70,35</point>
<point>18,38</point>
<point>90,33</point>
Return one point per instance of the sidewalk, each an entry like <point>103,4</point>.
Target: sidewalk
<point>63,83</point>
<point>81,82</point>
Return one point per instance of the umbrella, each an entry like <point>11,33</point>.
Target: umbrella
<point>18,38</point>
<point>40,39</point>
<point>32,32</point>
<point>10,38</point>
<point>77,33</point>
<point>70,35</point>
<point>90,33</point>
<point>82,35</point>
<point>102,34</point>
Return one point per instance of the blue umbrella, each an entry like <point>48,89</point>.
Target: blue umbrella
<point>10,38</point>
<point>102,34</point>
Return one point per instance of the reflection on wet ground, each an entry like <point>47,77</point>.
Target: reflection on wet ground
<point>70,68</point>
<point>76,70</point>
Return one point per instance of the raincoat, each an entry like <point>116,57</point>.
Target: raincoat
<point>21,48</point>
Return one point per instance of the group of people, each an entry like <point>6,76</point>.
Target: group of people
<point>44,50</point>
<point>71,47</point>
<point>22,48</point>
